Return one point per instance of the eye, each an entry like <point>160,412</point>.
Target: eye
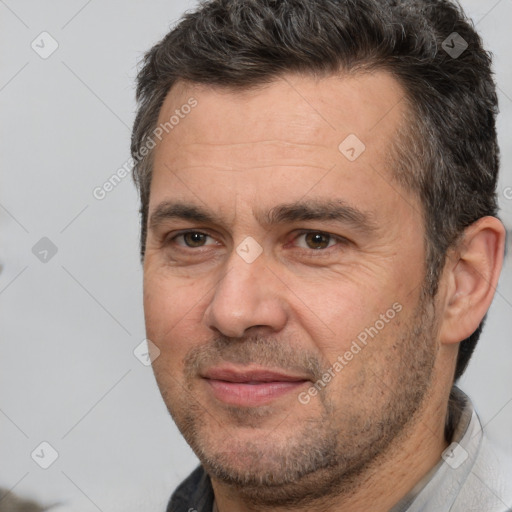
<point>311,240</point>
<point>317,240</point>
<point>191,239</point>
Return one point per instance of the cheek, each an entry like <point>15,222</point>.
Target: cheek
<point>171,306</point>
<point>167,327</point>
<point>341,308</point>
<point>362,330</point>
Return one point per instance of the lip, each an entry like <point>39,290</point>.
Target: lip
<point>250,387</point>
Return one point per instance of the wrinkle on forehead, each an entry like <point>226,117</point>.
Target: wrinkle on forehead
<point>286,131</point>
<point>299,121</point>
<point>249,155</point>
<point>297,104</point>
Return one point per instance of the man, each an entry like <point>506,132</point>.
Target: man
<point>320,248</point>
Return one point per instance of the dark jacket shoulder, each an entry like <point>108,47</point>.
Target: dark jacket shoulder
<point>194,494</point>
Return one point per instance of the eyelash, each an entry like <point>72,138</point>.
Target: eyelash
<point>338,239</point>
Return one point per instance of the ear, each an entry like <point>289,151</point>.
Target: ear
<point>470,278</point>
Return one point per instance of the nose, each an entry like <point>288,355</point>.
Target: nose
<point>248,295</point>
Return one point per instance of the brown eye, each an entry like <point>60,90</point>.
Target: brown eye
<point>317,240</point>
<point>192,238</point>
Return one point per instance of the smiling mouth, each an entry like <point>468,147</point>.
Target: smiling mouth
<point>251,387</point>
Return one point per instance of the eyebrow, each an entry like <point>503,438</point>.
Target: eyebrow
<point>306,210</point>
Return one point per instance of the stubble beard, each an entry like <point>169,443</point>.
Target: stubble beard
<point>324,456</point>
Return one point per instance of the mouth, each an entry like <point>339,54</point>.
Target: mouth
<point>250,387</point>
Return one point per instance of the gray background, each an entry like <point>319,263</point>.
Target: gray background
<point>68,375</point>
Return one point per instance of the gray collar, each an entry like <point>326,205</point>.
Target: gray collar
<point>460,414</point>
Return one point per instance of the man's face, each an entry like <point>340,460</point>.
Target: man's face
<point>294,345</point>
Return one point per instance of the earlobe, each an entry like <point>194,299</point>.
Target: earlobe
<point>471,277</point>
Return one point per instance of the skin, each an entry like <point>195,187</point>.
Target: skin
<point>377,427</point>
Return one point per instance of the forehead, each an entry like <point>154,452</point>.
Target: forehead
<point>367,104</point>
<point>297,125</point>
